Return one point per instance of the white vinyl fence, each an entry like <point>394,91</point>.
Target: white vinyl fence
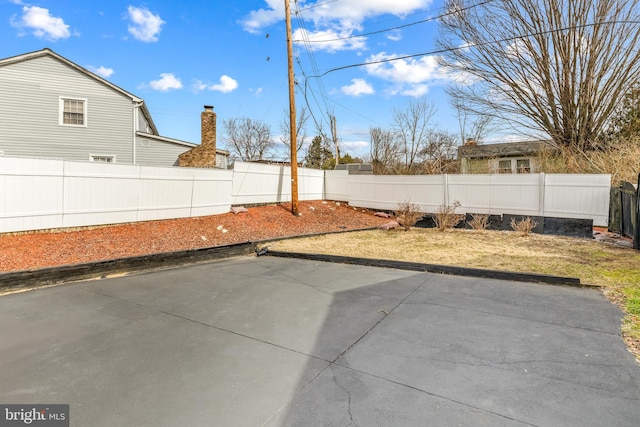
<point>551,195</point>
<point>42,194</point>
<point>255,183</point>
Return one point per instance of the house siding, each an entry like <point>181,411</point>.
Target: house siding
<point>29,114</point>
<point>155,152</point>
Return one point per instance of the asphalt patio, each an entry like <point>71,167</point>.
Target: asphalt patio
<point>255,341</point>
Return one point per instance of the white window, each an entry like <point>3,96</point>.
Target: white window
<point>523,166</point>
<point>512,165</point>
<point>73,111</point>
<point>101,158</point>
<point>504,166</point>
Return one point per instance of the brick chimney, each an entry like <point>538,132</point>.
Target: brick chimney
<point>208,128</point>
<point>204,155</point>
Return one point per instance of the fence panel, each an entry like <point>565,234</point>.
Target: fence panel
<point>211,191</point>
<point>336,185</point>
<point>30,194</point>
<point>496,194</point>
<point>255,183</point>
<point>100,193</point>
<point>578,196</point>
<point>259,183</point>
<point>387,191</point>
<point>310,184</point>
<point>165,193</point>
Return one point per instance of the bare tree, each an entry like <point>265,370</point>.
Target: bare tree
<point>301,132</point>
<point>553,66</point>
<point>385,151</point>
<point>248,139</point>
<point>440,153</point>
<point>473,125</point>
<point>412,128</point>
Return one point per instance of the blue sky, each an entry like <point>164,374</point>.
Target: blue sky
<point>179,56</point>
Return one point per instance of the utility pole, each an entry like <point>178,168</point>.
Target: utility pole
<point>334,136</point>
<point>292,114</point>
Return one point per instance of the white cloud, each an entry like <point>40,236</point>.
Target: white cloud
<point>226,84</point>
<point>101,71</point>
<point>258,19</point>
<point>395,36</point>
<point>357,87</point>
<point>43,25</point>
<point>166,82</point>
<point>199,86</point>
<point>408,76</point>
<point>331,19</point>
<point>145,26</point>
<point>354,145</point>
<point>416,91</point>
<point>332,39</point>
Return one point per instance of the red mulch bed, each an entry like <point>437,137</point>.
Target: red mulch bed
<point>31,250</point>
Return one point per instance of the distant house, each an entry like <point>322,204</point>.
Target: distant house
<point>54,108</point>
<point>508,157</point>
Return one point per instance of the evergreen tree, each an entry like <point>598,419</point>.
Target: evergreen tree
<point>318,155</point>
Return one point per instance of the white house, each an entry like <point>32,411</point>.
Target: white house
<point>54,108</point>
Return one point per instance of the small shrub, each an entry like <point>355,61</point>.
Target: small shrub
<point>446,216</point>
<point>524,226</point>
<point>408,214</point>
<point>479,221</point>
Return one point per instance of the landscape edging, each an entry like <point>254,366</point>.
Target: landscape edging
<point>434,268</point>
<point>49,276</point>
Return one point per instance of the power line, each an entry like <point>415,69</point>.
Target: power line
<point>314,6</point>
<point>452,49</point>
<point>433,18</point>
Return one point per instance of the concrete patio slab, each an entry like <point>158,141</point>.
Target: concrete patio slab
<point>273,341</point>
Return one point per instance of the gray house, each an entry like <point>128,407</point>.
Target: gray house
<point>53,108</point>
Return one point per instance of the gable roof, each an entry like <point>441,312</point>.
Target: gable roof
<point>46,52</point>
<point>506,149</point>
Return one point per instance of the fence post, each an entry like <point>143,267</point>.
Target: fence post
<point>543,187</point>
<point>446,189</point>
<point>636,231</point>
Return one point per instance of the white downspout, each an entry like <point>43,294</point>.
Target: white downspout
<point>136,106</point>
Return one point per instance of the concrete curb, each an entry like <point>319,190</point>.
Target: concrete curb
<point>69,273</point>
<point>433,268</point>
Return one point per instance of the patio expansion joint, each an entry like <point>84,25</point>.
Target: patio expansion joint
<point>436,395</point>
<point>490,313</point>
<point>197,322</point>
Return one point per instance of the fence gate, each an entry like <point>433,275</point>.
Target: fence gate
<point>624,211</point>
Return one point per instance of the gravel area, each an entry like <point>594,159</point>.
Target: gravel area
<point>32,250</point>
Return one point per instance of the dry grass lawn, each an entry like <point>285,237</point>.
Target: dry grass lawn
<point>616,270</point>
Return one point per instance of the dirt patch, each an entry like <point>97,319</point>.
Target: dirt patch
<point>33,250</point>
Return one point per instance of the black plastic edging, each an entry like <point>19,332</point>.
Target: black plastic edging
<point>48,276</point>
<point>69,273</point>
<point>433,268</point>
